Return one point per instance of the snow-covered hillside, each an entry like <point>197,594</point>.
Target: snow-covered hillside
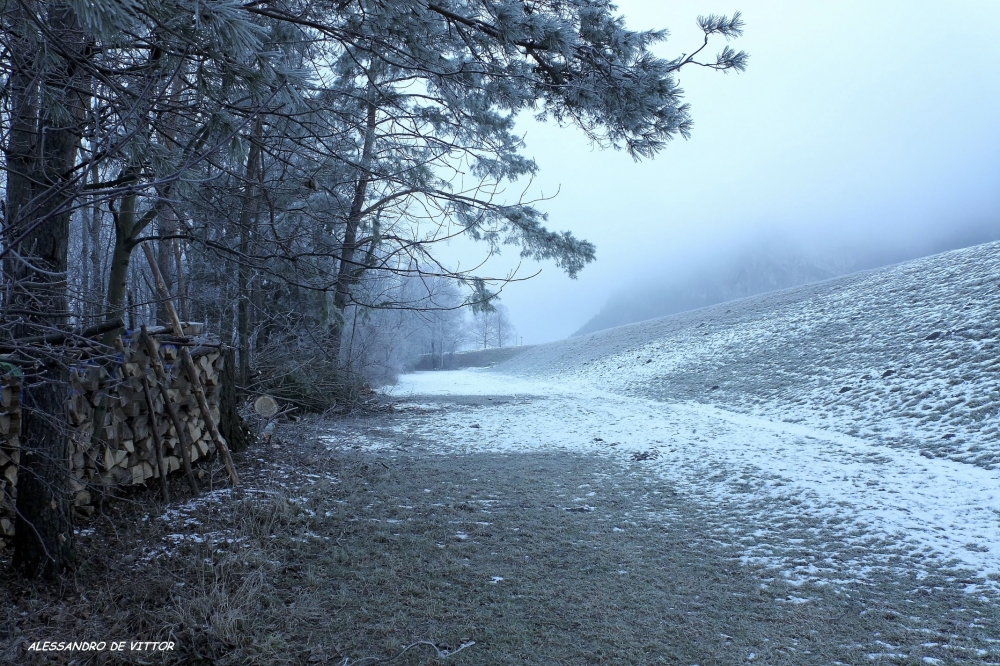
<point>908,356</point>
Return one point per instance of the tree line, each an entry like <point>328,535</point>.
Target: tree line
<point>296,167</point>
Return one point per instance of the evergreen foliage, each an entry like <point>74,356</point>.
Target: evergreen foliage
<point>298,164</point>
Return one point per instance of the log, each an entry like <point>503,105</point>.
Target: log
<point>157,444</point>
<point>195,429</point>
<point>145,447</point>
<point>140,424</point>
<point>78,412</point>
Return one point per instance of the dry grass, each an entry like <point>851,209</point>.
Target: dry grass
<point>346,558</point>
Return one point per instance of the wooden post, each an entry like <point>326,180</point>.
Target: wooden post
<point>182,433</point>
<point>157,442</point>
<point>192,370</point>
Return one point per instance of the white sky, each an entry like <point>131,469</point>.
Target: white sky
<point>878,120</point>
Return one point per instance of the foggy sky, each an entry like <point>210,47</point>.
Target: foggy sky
<point>861,122</point>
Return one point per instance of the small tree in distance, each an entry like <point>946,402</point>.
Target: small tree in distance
<point>506,333</point>
<point>493,327</point>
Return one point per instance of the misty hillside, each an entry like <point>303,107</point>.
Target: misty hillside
<point>757,268</point>
<point>906,355</point>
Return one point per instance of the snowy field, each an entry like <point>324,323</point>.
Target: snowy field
<point>837,430</point>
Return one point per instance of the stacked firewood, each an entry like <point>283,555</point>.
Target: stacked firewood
<point>124,453</point>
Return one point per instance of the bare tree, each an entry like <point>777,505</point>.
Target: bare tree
<point>506,333</point>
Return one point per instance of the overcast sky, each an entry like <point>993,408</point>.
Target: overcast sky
<point>871,120</point>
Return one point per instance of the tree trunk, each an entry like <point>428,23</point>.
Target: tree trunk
<point>231,424</point>
<point>42,147</point>
<point>165,258</point>
<point>93,222</point>
<point>121,257</point>
<point>43,537</point>
<point>248,217</point>
<point>86,305</point>
<point>97,286</point>
<point>182,287</point>
<point>346,275</point>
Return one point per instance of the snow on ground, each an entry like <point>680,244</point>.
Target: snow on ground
<point>893,508</point>
<point>907,355</point>
<point>838,429</point>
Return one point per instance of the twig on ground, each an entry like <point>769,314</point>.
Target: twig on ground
<point>442,654</point>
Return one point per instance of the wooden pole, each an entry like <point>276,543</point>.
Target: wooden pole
<point>182,433</point>
<point>189,366</point>
<point>157,442</point>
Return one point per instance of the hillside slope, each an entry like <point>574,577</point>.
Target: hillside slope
<point>689,278</point>
<point>758,269</point>
<point>907,356</point>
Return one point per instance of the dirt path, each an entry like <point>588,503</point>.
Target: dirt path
<point>608,559</point>
<point>364,535</point>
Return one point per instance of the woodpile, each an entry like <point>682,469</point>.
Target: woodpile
<point>124,452</point>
